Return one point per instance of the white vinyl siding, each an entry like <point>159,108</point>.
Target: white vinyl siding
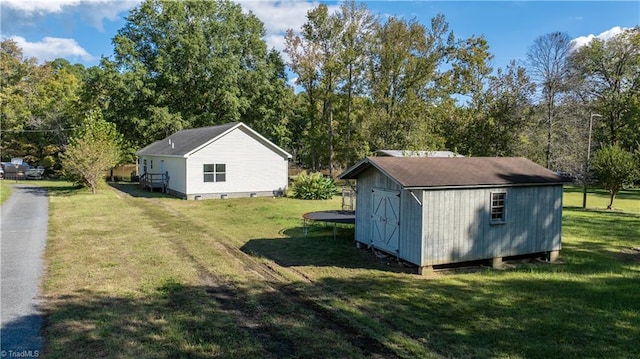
<point>250,166</point>
<point>174,166</point>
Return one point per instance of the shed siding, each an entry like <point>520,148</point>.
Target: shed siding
<point>410,227</point>
<point>458,228</point>
<point>250,167</point>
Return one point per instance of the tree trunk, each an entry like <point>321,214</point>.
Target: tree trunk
<point>613,195</point>
<point>312,116</point>
<point>549,139</point>
<point>349,100</point>
<point>584,195</point>
<point>331,140</point>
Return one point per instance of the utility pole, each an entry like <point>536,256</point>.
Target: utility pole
<point>586,167</point>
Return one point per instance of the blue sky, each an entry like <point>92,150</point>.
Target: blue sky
<point>81,30</point>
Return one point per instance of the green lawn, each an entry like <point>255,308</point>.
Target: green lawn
<point>5,191</point>
<point>148,276</point>
<point>598,199</point>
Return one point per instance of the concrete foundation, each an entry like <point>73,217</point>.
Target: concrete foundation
<point>497,263</point>
<point>553,256</point>
<point>426,270</point>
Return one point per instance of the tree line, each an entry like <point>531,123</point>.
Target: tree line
<point>363,83</point>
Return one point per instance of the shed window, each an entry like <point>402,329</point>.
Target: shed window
<point>215,172</point>
<point>498,200</point>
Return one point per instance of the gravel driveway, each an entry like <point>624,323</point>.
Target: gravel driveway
<point>23,230</point>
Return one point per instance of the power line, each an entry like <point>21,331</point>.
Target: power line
<point>59,130</point>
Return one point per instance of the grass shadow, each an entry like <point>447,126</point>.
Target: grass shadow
<point>134,190</point>
<point>546,317</point>
<point>54,188</point>
<point>598,240</point>
<point>220,320</point>
<point>629,193</point>
<point>321,247</point>
<point>356,317</point>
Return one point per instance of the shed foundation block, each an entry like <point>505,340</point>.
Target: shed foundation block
<point>425,270</point>
<point>553,256</point>
<point>496,263</point>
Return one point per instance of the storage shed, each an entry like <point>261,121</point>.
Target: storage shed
<point>224,161</point>
<point>442,210</point>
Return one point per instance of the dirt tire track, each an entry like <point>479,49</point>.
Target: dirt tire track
<point>225,293</point>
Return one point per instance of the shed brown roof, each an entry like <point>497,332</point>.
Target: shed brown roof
<point>418,172</point>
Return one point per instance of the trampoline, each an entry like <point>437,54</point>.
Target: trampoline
<point>331,216</point>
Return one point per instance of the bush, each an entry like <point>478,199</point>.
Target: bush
<point>48,162</point>
<point>313,186</point>
<point>615,169</point>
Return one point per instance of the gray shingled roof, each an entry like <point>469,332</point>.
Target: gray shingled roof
<point>422,172</point>
<point>182,143</point>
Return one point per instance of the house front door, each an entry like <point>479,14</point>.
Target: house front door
<point>386,220</point>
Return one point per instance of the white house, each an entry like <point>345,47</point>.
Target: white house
<point>440,210</point>
<point>229,160</point>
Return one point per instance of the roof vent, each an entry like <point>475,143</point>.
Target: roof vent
<point>169,141</point>
<point>172,145</point>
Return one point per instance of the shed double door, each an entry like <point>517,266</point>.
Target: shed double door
<point>385,219</point>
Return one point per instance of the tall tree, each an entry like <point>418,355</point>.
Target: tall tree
<point>355,41</point>
<point>615,169</point>
<point>189,64</point>
<point>403,65</point>
<point>608,72</point>
<point>40,104</point>
<point>304,61</point>
<point>506,112</point>
<point>271,100</point>
<point>548,60</point>
<point>465,104</point>
<point>16,78</point>
<point>324,29</point>
<point>314,57</point>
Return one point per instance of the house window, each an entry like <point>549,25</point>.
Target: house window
<point>498,200</point>
<point>215,172</point>
<point>221,172</point>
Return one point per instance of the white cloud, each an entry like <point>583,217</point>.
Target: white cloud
<point>275,41</point>
<point>36,6</point>
<point>51,48</point>
<point>585,40</point>
<point>91,11</point>
<point>279,16</point>
<point>94,12</point>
